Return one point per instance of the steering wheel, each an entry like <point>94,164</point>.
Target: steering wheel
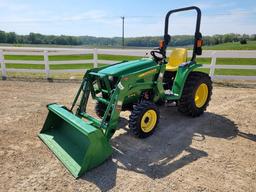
<point>157,54</point>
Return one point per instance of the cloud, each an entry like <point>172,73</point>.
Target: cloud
<point>217,18</point>
<point>232,21</point>
<point>214,4</point>
<point>12,6</point>
<point>89,15</point>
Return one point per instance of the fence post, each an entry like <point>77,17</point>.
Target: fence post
<point>46,65</point>
<point>212,66</point>
<point>3,67</point>
<point>95,58</point>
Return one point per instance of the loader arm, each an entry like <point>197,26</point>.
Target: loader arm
<point>127,85</point>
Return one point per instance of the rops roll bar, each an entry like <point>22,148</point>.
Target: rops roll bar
<point>197,50</point>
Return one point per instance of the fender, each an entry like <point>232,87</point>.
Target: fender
<point>181,78</point>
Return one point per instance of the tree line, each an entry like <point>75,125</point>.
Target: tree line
<point>150,41</point>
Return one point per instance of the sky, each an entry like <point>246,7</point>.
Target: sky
<point>102,18</point>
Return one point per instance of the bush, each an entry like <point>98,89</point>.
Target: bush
<point>243,41</point>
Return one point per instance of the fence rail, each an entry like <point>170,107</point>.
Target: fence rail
<point>46,52</point>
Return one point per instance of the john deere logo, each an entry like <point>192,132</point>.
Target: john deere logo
<point>147,73</point>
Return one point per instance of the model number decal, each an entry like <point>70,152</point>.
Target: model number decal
<point>148,72</point>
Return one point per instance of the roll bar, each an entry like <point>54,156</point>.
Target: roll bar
<point>197,50</point>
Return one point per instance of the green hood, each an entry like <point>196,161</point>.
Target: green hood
<point>128,67</point>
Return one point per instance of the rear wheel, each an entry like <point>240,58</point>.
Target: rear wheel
<point>144,119</point>
<point>196,94</point>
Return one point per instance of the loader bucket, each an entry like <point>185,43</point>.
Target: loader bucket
<point>78,145</point>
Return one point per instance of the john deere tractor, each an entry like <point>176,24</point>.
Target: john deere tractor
<point>82,141</point>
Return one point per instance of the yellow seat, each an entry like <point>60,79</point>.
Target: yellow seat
<point>177,57</point>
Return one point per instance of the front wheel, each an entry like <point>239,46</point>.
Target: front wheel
<point>144,119</point>
<point>196,94</point>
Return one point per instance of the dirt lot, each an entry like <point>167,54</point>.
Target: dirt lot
<point>215,152</point>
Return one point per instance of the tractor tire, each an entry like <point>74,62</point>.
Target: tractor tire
<point>196,94</point>
<point>100,109</point>
<point>144,119</point>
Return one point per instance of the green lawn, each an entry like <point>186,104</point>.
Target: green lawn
<point>67,66</point>
<point>242,72</point>
<point>225,61</point>
<point>51,58</point>
<point>117,57</point>
<point>229,61</point>
<point>251,45</point>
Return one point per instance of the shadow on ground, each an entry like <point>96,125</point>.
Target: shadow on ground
<point>167,150</point>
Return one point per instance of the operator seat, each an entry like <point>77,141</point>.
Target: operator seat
<point>177,57</point>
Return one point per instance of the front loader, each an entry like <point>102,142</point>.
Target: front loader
<point>82,142</point>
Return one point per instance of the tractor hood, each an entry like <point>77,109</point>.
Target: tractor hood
<point>128,67</point>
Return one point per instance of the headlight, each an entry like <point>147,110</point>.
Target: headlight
<point>110,78</point>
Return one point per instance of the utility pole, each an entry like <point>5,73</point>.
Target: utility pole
<point>123,30</point>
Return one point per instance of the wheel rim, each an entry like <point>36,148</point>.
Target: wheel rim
<point>201,95</point>
<point>148,121</point>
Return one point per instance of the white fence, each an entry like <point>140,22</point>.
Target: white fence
<point>46,52</point>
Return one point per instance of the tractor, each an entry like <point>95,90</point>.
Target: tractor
<point>81,141</point>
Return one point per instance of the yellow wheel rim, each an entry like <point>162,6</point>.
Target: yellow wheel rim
<point>148,121</point>
<point>201,95</point>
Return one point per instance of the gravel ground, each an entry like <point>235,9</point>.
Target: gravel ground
<point>215,152</point>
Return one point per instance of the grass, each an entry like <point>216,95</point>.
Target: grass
<point>24,57</point>
<point>251,45</point>
<point>70,57</point>
<point>223,61</point>
<point>117,57</point>
<point>67,66</point>
<point>237,72</point>
<point>63,58</point>
<point>51,58</point>
<point>229,61</point>
<point>236,61</point>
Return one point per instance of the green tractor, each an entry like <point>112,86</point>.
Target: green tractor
<point>82,141</point>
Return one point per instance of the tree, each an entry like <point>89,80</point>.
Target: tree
<point>11,38</point>
<point>253,37</point>
<point>243,41</point>
<point>2,37</point>
<point>149,41</point>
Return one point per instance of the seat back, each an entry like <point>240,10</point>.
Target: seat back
<point>177,57</point>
